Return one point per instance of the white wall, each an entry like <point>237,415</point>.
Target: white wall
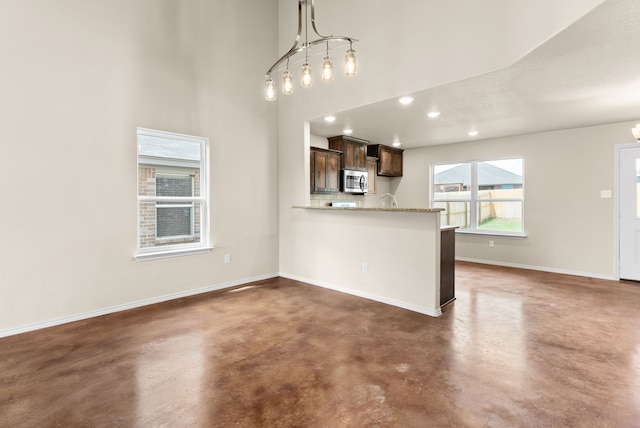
<point>77,78</point>
<point>569,227</point>
<point>401,250</point>
<point>405,46</point>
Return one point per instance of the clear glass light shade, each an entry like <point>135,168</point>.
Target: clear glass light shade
<point>636,131</point>
<point>350,67</point>
<point>287,83</point>
<point>306,81</point>
<point>270,90</point>
<point>327,70</point>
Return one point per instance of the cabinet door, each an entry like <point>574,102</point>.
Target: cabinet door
<point>390,162</point>
<point>447,266</point>
<point>361,156</point>
<point>333,173</point>
<point>325,172</point>
<point>354,152</point>
<point>319,171</point>
<point>349,155</point>
<point>355,155</point>
<point>372,169</point>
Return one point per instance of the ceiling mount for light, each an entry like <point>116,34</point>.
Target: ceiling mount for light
<point>636,132</point>
<point>350,66</point>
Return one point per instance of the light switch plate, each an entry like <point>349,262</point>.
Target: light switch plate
<point>605,194</point>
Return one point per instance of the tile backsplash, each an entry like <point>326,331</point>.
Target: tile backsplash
<point>324,200</point>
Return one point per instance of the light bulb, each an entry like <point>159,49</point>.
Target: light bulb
<point>287,83</point>
<point>306,80</point>
<point>270,90</point>
<point>350,67</point>
<point>405,100</point>
<point>327,70</point>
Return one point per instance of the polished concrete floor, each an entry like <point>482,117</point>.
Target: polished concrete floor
<point>516,349</point>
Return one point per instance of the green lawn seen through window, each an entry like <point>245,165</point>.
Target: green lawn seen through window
<point>501,224</point>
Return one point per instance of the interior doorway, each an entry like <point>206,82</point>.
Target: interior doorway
<point>628,207</point>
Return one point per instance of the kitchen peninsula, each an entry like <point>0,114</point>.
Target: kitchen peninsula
<point>391,255</point>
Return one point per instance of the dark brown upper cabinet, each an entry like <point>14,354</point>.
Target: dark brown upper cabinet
<point>354,151</point>
<point>325,171</point>
<point>389,159</point>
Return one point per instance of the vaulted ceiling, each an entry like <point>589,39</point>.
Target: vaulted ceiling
<point>588,74</point>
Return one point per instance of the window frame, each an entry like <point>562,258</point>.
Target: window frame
<point>474,201</point>
<point>176,249</point>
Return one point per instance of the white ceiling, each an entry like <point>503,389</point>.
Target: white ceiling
<point>589,74</point>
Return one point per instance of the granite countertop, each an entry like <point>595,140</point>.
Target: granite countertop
<point>409,210</point>
<point>449,227</point>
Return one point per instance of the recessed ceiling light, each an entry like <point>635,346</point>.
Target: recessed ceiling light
<point>433,114</point>
<point>473,133</point>
<point>330,118</point>
<point>347,131</point>
<point>396,144</point>
<point>405,100</point>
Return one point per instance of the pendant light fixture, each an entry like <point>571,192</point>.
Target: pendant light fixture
<point>636,132</point>
<point>287,83</point>
<point>270,94</point>
<point>327,68</point>
<point>306,78</point>
<point>350,66</point>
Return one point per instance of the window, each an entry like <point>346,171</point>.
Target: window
<point>481,196</point>
<point>172,194</point>
<point>174,220</point>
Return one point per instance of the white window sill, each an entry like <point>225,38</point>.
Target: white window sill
<point>141,257</point>
<point>491,233</point>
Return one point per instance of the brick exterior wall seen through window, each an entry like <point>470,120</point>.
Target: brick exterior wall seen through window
<point>147,187</point>
<point>174,218</point>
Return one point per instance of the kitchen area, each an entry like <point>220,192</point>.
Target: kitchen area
<point>365,242</point>
<point>379,165</point>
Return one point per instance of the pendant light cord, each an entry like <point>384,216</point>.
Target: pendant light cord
<point>306,31</point>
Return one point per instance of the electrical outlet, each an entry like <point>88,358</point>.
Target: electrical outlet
<point>605,194</point>
<point>492,244</point>
<point>227,258</point>
<point>365,268</point>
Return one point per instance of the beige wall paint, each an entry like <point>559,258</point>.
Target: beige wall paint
<point>405,46</point>
<point>401,250</point>
<point>569,227</point>
<point>78,77</point>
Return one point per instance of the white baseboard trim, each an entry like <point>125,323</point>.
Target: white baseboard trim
<point>538,268</point>
<point>346,290</point>
<point>132,305</point>
<point>364,295</point>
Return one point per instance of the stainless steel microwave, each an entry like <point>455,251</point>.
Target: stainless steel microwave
<point>354,181</point>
